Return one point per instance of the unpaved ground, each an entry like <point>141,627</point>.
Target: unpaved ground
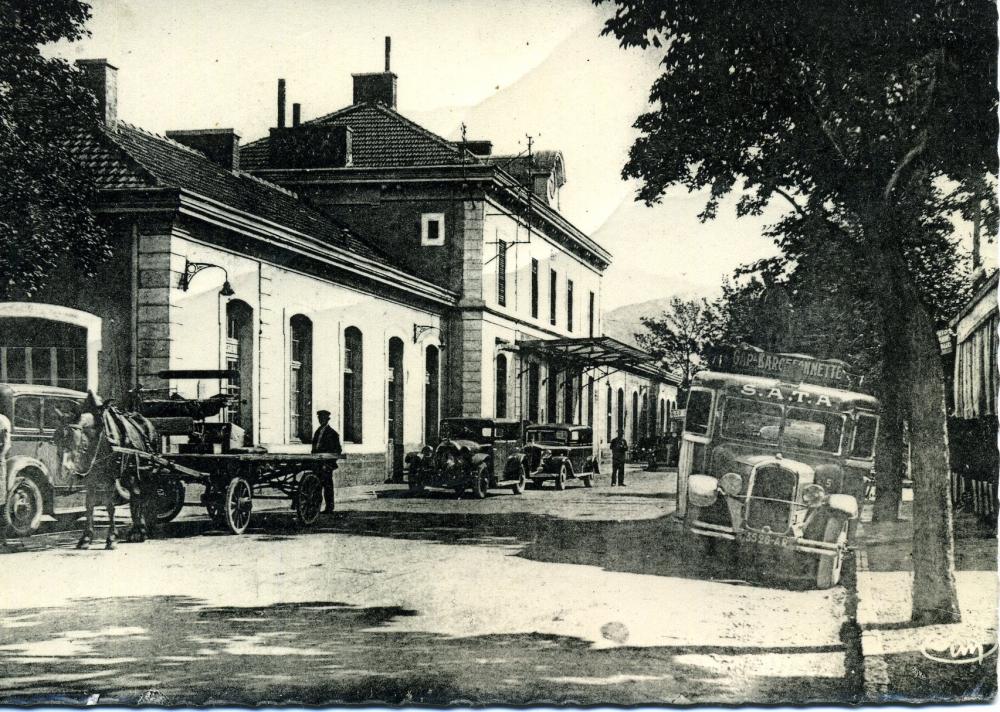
<point>587,596</point>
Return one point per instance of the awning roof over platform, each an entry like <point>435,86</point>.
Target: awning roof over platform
<point>595,352</point>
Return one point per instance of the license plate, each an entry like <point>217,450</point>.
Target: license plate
<point>767,539</point>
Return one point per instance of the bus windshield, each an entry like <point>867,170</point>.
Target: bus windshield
<point>772,424</point>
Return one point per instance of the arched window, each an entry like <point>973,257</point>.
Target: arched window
<point>353,384</point>
<point>501,389</point>
<point>663,417</point>
<point>608,408</point>
<point>590,401</point>
<point>395,408</point>
<point>534,383</point>
<point>569,397</point>
<point>239,358</point>
<point>635,416</point>
<point>551,395</point>
<point>644,417</point>
<point>620,424</point>
<point>431,390</point>
<point>300,379</point>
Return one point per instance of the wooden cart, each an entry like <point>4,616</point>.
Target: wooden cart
<point>233,480</point>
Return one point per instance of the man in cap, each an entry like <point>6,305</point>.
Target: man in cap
<point>619,449</point>
<point>326,439</point>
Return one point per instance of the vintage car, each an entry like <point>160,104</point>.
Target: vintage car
<point>465,456</point>
<point>555,452</point>
<point>776,465</point>
<point>34,477</point>
<point>35,483</point>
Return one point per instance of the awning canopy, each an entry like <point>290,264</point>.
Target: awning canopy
<point>595,352</point>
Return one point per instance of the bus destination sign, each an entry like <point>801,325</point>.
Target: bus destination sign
<point>792,368</point>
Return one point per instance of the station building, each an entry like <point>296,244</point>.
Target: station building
<point>357,263</point>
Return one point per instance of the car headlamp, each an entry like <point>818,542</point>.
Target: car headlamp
<point>546,454</point>
<point>731,483</point>
<point>812,495</point>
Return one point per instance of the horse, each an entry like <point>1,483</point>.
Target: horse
<point>85,442</point>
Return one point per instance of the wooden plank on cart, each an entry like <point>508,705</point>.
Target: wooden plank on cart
<point>158,460</point>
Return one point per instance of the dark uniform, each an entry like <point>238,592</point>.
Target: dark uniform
<point>326,439</point>
<point>619,450</point>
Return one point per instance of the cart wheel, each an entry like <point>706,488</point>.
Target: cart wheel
<point>23,509</point>
<point>522,482</point>
<point>308,499</point>
<point>238,505</point>
<point>562,477</point>
<point>169,499</point>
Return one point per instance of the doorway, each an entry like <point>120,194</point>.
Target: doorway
<point>395,407</point>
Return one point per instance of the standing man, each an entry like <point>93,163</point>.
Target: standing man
<point>326,439</point>
<point>619,450</point>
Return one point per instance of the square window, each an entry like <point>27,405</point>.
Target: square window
<point>432,229</point>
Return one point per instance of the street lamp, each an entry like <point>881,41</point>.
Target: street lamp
<point>193,268</point>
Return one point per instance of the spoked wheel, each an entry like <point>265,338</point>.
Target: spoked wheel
<point>308,499</point>
<point>22,511</point>
<point>829,568</point>
<point>238,505</point>
<point>481,485</point>
<point>168,499</point>
<point>562,477</point>
<point>522,482</point>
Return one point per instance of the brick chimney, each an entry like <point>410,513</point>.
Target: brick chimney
<point>221,146</point>
<point>378,87</point>
<point>101,78</point>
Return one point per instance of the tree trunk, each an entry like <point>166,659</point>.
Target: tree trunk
<point>912,368</point>
<point>935,599</point>
<point>890,464</point>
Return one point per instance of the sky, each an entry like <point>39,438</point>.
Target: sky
<point>506,68</point>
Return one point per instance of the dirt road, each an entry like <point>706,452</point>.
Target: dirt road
<point>586,596</point>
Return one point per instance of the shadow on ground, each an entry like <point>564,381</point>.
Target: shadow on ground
<point>327,652</point>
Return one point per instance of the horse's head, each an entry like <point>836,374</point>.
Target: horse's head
<point>78,435</point>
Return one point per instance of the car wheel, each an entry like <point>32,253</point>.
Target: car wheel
<point>522,482</point>
<point>562,477</point>
<point>482,483</point>
<point>22,511</point>
<point>829,568</point>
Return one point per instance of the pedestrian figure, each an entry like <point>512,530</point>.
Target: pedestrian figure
<point>619,450</point>
<point>4,449</point>
<point>326,439</point>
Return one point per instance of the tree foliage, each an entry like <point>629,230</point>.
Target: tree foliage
<point>873,121</point>
<point>683,331</point>
<point>46,198</point>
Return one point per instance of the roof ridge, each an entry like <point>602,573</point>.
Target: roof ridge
<point>165,139</point>
<point>332,114</point>
<point>136,164</point>
<point>393,113</point>
<point>267,183</point>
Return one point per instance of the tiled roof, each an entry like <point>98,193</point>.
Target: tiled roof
<point>130,158</point>
<point>380,138</point>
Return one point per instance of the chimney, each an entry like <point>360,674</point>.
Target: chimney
<point>479,148</point>
<point>221,146</point>
<point>296,114</point>
<point>281,103</point>
<point>377,87</point>
<point>101,79</point>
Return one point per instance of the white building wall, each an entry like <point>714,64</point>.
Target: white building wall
<point>277,294</point>
<point>498,225</point>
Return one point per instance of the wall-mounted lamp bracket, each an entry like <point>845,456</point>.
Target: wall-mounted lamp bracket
<point>193,268</point>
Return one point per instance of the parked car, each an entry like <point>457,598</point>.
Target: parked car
<point>556,452</point>
<point>34,478</point>
<point>466,455</point>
